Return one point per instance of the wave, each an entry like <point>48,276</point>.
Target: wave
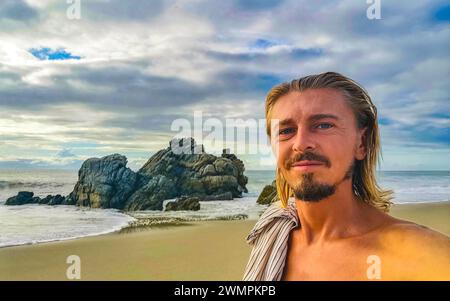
<point>31,224</point>
<point>16,184</point>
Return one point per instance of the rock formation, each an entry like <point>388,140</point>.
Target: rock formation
<point>182,169</point>
<point>27,197</point>
<point>268,194</point>
<point>184,203</point>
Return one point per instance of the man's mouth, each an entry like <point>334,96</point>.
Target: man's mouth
<point>306,165</point>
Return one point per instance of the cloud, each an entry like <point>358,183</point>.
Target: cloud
<point>122,11</point>
<point>257,4</point>
<point>65,153</point>
<point>17,10</point>
<point>40,163</point>
<point>115,80</point>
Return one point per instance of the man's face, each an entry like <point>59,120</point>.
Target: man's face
<point>318,127</point>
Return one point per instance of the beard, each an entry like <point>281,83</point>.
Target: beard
<point>310,190</point>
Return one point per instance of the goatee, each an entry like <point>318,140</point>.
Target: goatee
<point>311,191</point>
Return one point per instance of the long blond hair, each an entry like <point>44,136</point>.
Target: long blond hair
<point>364,182</point>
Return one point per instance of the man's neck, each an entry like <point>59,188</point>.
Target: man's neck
<point>341,215</point>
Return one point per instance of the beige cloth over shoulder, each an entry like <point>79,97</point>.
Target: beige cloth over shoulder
<point>269,238</point>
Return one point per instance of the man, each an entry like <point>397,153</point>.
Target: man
<point>330,222</point>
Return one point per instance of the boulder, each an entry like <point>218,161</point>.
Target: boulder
<point>104,183</point>
<point>196,173</point>
<point>56,200</point>
<point>26,197</point>
<point>152,194</point>
<point>184,203</point>
<point>268,194</point>
<point>22,198</point>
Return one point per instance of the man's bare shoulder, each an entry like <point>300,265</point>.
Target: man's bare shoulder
<point>412,234</point>
<point>426,250</point>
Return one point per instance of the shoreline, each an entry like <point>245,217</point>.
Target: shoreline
<point>164,253</point>
<point>153,223</point>
<point>139,224</point>
<point>197,250</point>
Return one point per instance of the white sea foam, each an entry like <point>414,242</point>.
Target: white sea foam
<point>29,224</point>
<point>210,210</point>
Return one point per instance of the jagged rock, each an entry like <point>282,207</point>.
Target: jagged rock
<point>22,198</point>
<point>208,170</point>
<point>184,203</point>
<point>151,195</point>
<point>182,169</point>
<point>242,180</point>
<point>46,200</point>
<point>26,197</point>
<point>185,146</point>
<point>56,200</point>
<point>198,174</point>
<point>35,200</point>
<point>53,200</point>
<point>104,183</point>
<point>268,194</point>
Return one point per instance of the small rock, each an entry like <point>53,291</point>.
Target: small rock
<point>184,203</point>
<point>268,194</point>
<point>23,197</point>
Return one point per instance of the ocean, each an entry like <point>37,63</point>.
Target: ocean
<point>30,224</point>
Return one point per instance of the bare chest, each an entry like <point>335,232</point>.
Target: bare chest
<point>350,260</point>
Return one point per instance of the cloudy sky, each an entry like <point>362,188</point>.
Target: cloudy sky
<point>114,80</point>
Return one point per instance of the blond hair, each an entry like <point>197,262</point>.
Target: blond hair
<point>364,181</point>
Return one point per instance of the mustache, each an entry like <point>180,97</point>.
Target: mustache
<point>306,156</point>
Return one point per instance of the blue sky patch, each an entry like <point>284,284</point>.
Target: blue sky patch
<point>384,121</point>
<point>258,4</point>
<point>442,13</point>
<point>264,82</point>
<point>46,53</point>
<point>263,44</point>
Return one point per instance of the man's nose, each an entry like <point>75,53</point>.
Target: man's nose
<point>303,140</point>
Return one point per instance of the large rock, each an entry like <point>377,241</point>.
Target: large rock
<point>184,203</point>
<point>22,198</point>
<point>53,200</point>
<point>196,173</point>
<point>104,183</point>
<point>27,197</point>
<point>182,169</point>
<point>151,195</point>
<point>268,195</point>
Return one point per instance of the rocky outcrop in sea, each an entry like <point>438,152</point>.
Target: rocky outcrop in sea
<point>268,195</point>
<point>183,169</point>
<point>184,203</point>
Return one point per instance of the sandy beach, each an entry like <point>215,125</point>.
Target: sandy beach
<point>212,250</point>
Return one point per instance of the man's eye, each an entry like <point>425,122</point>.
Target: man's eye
<point>286,131</point>
<point>324,125</point>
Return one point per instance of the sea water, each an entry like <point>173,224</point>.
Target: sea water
<point>29,224</point>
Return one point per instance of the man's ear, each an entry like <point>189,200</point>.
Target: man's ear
<point>361,144</point>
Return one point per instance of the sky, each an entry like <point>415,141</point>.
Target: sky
<point>111,76</point>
